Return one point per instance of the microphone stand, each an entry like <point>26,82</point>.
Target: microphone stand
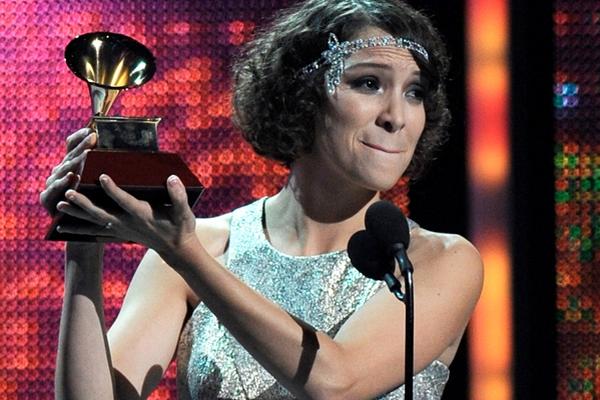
<point>407,298</point>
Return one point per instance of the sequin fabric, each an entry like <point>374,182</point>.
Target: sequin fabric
<point>323,290</point>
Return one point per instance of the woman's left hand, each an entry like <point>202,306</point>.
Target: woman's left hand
<point>163,229</point>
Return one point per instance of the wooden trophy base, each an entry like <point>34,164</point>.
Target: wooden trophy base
<point>141,174</point>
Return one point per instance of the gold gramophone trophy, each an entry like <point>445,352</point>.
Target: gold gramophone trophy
<point>127,147</point>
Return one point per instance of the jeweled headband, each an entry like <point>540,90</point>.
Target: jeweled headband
<point>337,53</point>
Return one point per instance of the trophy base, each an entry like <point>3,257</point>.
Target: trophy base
<point>141,174</point>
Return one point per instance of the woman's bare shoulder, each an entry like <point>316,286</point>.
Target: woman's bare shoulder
<point>448,259</point>
<point>214,233</point>
<point>437,243</point>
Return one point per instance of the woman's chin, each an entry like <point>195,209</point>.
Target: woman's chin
<point>382,184</point>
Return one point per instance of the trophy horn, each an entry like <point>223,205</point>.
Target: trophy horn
<point>109,62</point>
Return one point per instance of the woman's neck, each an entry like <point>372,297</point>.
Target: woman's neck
<point>314,214</point>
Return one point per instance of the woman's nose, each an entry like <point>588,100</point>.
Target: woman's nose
<point>391,117</point>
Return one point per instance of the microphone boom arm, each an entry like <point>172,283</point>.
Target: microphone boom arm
<point>406,269</point>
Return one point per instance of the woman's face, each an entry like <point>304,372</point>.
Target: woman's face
<point>373,121</point>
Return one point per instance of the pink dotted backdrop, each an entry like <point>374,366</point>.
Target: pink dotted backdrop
<point>41,102</point>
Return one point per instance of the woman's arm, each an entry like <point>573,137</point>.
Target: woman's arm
<point>144,337</point>
<point>83,366</point>
<point>151,317</point>
<point>366,357</point>
<point>129,361</point>
<point>79,374</point>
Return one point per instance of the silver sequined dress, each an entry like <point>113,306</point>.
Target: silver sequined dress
<point>323,290</point>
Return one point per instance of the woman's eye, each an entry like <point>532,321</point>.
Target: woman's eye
<point>416,93</point>
<point>368,83</point>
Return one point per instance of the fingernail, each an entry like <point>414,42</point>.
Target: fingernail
<point>70,194</point>
<point>173,180</point>
<point>59,228</point>
<point>104,178</point>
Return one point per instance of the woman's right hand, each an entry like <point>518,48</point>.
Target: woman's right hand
<point>66,174</point>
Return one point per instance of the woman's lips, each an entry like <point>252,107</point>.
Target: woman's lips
<point>380,148</point>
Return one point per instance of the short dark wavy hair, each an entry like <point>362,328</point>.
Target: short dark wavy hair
<point>275,108</point>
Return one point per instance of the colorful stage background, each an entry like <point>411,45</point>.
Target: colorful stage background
<point>41,103</point>
<point>577,173</point>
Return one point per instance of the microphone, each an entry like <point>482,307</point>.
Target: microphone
<point>370,259</point>
<point>389,227</point>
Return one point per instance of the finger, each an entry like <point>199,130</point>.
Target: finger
<point>123,199</point>
<point>66,165</point>
<point>178,196</point>
<point>78,213</point>
<point>60,185</point>
<point>75,138</point>
<point>75,165</point>
<point>89,142</point>
<point>95,213</point>
<point>52,194</point>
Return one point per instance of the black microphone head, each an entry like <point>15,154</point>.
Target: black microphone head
<point>368,257</point>
<point>387,224</point>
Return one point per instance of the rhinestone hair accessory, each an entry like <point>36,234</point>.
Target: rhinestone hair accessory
<point>336,54</point>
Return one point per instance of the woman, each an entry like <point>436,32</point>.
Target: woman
<point>349,95</point>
